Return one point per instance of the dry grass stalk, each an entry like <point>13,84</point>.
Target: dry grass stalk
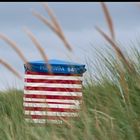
<point>108,19</point>
<point>121,58</point>
<point>65,121</point>
<point>123,83</point>
<point>10,68</point>
<point>14,46</point>
<point>39,47</point>
<point>45,21</point>
<point>54,25</point>
<point>116,48</point>
<point>52,16</point>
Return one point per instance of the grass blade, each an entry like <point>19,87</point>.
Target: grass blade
<point>45,21</point>
<point>10,68</point>
<point>108,19</point>
<point>38,46</point>
<point>116,48</point>
<point>55,29</point>
<point>14,47</point>
<point>52,16</point>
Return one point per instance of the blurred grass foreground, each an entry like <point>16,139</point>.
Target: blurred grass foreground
<point>110,109</point>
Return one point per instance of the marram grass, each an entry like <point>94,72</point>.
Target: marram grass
<point>110,110</point>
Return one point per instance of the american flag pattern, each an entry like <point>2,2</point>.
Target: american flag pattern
<point>50,98</point>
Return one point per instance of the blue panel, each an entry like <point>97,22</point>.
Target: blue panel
<point>57,66</point>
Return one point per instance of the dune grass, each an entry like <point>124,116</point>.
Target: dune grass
<point>110,110</point>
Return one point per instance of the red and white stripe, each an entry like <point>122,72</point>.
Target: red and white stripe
<point>50,98</point>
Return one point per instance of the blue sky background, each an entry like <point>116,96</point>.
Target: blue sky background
<point>78,21</point>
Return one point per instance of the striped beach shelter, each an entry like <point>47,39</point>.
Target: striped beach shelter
<point>52,97</point>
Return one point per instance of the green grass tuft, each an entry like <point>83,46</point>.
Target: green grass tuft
<point>110,110</point>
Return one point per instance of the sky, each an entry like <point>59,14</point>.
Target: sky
<point>78,21</point>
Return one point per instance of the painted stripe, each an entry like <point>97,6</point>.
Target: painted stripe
<point>53,85</point>
<point>48,102</point>
<point>65,114</point>
<point>43,121</point>
<point>51,105</point>
<point>53,81</point>
<point>53,77</point>
<point>52,93</point>
<point>51,109</point>
<point>52,97</point>
<point>52,100</point>
<point>47,117</point>
<point>45,73</point>
<point>53,89</point>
